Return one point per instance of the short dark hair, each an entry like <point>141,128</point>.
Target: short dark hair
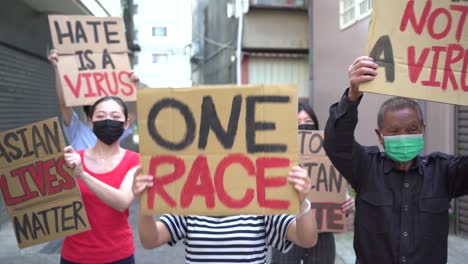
<point>107,98</point>
<point>308,109</point>
<point>395,104</point>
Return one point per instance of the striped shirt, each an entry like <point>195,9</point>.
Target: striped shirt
<point>229,239</point>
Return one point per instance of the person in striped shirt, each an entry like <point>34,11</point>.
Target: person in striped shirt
<point>231,239</point>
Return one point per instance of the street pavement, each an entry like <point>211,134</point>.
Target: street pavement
<point>49,253</point>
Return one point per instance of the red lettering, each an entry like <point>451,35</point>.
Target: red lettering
<point>414,68</point>
<point>449,60</point>
<point>461,22</point>
<point>464,85</point>
<point>223,196</point>
<point>111,90</point>
<point>67,181</point>
<point>130,90</point>
<point>435,61</point>
<point>36,172</point>
<point>51,178</point>
<point>160,181</point>
<point>432,21</point>
<point>90,92</point>
<point>409,15</point>
<point>264,163</point>
<point>200,172</point>
<point>98,77</point>
<point>75,89</point>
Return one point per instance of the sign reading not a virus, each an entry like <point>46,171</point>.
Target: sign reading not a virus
<point>421,48</point>
<point>220,150</point>
<point>329,187</point>
<point>93,58</point>
<point>41,196</point>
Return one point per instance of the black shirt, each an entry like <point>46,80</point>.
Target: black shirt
<point>401,216</point>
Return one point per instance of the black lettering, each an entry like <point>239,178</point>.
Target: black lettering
<point>45,220</point>
<point>322,177</point>
<point>320,145</point>
<point>189,124</point>
<point>110,33</point>
<point>106,59</point>
<point>80,33</point>
<point>77,206</point>
<point>309,166</point>
<point>383,46</point>
<point>37,141</point>
<point>85,56</point>
<point>37,226</point>
<point>94,24</point>
<point>319,213</point>
<point>336,179</point>
<point>60,35</point>
<point>3,153</point>
<point>17,154</point>
<point>251,125</point>
<point>27,152</point>
<point>66,219</point>
<point>52,138</point>
<point>303,134</point>
<point>22,228</point>
<point>210,119</point>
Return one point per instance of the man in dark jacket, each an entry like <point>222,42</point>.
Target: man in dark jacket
<point>402,198</point>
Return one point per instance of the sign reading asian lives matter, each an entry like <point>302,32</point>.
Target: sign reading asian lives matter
<point>41,196</point>
<point>218,150</point>
<point>93,58</point>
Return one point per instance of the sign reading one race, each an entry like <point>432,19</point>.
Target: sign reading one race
<point>421,48</point>
<point>42,198</point>
<point>93,58</point>
<point>221,150</point>
<point>328,185</point>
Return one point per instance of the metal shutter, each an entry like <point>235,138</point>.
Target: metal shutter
<point>280,70</point>
<point>462,148</point>
<point>27,92</point>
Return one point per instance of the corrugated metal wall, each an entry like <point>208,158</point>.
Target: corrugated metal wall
<point>27,92</point>
<point>277,70</point>
<point>462,148</point>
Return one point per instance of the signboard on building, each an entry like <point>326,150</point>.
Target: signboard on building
<point>421,48</point>
<point>329,187</point>
<point>41,195</point>
<point>220,150</point>
<point>93,58</point>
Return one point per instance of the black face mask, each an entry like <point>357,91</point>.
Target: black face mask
<point>307,127</point>
<point>108,131</point>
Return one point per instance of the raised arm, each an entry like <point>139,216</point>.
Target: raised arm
<point>303,231</point>
<point>119,199</point>
<point>66,111</point>
<point>152,233</point>
<point>339,143</point>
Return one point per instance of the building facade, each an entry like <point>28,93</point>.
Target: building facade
<point>163,33</point>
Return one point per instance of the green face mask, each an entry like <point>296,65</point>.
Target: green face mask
<point>403,148</point>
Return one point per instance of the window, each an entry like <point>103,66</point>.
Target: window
<point>352,11</point>
<point>160,58</point>
<point>159,31</point>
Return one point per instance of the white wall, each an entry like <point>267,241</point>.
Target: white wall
<point>175,15</point>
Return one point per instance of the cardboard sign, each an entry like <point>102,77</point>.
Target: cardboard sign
<point>329,187</point>
<point>93,58</point>
<point>40,193</point>
<point>220,150</point>
<point>421,48</point>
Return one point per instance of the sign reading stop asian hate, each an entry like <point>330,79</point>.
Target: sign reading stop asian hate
<point>421,48</point>
<point>329,187</point>
<point>40,193</point>
<point>93,58</point>
<point>219,150</point>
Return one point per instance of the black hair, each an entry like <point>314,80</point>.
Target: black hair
<point>308,109</point>
<point>107,98</point>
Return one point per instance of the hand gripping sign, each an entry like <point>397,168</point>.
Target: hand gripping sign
<point>41,197</point>
<point>222,150</point>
